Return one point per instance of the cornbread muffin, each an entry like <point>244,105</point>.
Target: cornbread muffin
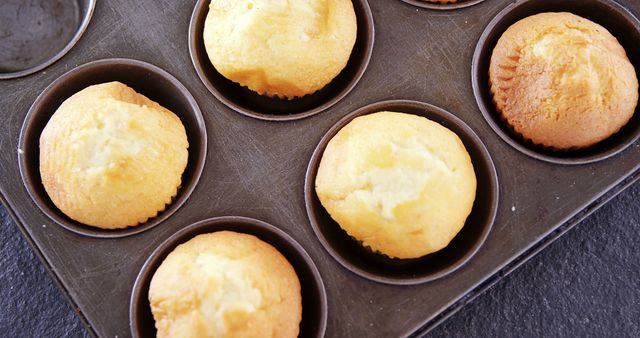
<point>400,184</point>
<point>226,284</point>
<point>562,81</point>
<point>283,49</point>
<point>112,158</point>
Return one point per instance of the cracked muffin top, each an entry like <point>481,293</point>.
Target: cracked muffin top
<point>284,49</point>
<point>112,158</point>
<point>562,81</point>
<point>399,183</point>
<point>226,284</point>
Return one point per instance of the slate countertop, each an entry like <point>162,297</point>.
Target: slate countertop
<point>583,285</point>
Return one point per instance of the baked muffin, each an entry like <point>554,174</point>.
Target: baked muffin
<point>400,184</point>
<point>562,81</point>
<point>283,49</point>
<point>226,284</point>
<point>111,158</point>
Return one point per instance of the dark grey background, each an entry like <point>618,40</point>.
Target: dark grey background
<point>583,285</point>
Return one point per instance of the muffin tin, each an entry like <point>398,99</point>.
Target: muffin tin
<point>612,16</point>
<point>249,103</point>
<point>39,33</point>
<point>257,169</point>
<point>361,261</point>
<point>314,296</point>
<point>146,79</point>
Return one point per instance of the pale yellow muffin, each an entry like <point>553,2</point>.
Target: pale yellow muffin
<point>283,49</point>
<point>400,184</point>
<point>562,81</point>
<point>226,284</point>
<point>112,158</point>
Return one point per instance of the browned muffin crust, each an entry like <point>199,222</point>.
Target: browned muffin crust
<point>562,81</point>
<point>226,284</point>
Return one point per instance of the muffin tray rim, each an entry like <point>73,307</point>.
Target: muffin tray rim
<point>84,23</point>
<point>443,6</point>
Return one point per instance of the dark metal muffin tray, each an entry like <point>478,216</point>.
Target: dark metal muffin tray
<point>257,168</point>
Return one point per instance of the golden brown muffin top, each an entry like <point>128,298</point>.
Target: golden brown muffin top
<point>226,284</point>
<point>112,158</point>
<point>562,81</point>
<point>399,183</point>
<point>280,48</point>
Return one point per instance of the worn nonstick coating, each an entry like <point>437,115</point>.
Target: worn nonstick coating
<point>249,103</point>
<point>615,18</point>
<point>314,297</point>
<point>361,261</point>
<point>144,78</point>
<point>36,34</point>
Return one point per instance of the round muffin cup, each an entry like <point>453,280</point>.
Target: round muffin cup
<point>35,47</point>
<point>252,104</point>
<point>443,6</point>
<point>314,297</point>
<point>146,79</point>
<point>378,267</point>
<point>615,18</point>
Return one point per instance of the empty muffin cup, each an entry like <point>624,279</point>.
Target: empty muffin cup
<point>314,298</point>
<point>377,267</point>
<point>443,5</point>
<point>36,34</point>
<point>250,103</point>
<point>609,14</point>
<point>146,79</point>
